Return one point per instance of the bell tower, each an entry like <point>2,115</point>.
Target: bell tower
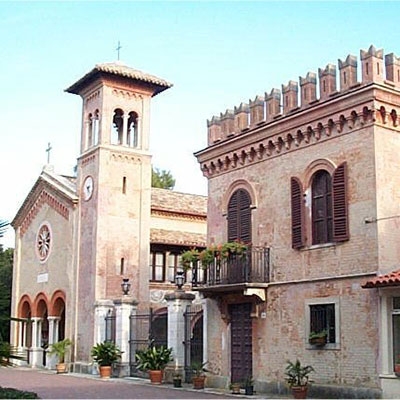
<point>114,186</point>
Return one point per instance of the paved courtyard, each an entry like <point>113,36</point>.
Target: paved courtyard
<point>49,385</point>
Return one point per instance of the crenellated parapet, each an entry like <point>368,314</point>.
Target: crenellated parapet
<point>282,140</point>
<point>277,104</point>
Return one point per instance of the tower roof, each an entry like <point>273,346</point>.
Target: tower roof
<point>122,71</point>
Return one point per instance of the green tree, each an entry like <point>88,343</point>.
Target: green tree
<point>162,179</point>
<point>6,263</point>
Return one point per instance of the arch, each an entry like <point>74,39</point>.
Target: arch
<point>239,184</point>
<point>117,126</point>
<point>133,129</point>
<point>25,307</point>
<point>315,166</point>
<point>40,304</point>
<point>57,303</point>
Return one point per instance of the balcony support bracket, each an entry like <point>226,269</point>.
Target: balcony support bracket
<point>260,293</point>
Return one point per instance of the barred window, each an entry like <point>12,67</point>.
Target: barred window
<point>322,318</point>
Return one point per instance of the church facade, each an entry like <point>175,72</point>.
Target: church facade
<point>308,177</point>
<point>78,239</point>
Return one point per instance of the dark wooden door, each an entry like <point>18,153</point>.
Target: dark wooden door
<point>241,342</point>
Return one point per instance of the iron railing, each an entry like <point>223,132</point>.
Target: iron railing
<point>252,266</point>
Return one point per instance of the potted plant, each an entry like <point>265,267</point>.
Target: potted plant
<point>188,257</point>
<point>198,372</point>
<point>154,359</point>
<point>60,349</point>
<point>318,338</point>
<point>177,380</point>
<point>233,248</point>
<point>397,366</point>
<point>249,386</point>
<point>235,387</point>
<point>297,378</point>
<point>207,256</point>
<point>106,354</point>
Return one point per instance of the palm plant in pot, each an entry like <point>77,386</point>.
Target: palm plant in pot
<point>106,354</point>
<point>297,378</point>
<point>60,350</point>
<point>198,372</point>
<point>154,359</point>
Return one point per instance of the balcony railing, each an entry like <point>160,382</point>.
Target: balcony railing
<point>252,266</point>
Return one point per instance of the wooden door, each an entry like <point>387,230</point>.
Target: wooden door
<point>241,342</point>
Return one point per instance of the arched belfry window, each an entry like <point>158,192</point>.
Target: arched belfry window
<point>132,134</point>
<point>117,127</point>
<point>89,131</point>
<point>321,190</point>
<point>96,122</point>
<point>239,216</point>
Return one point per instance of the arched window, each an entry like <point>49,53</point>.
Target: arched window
<point>132,134</point>
<point>117,126</point>
<point>329,208</point>
<point>239,216</point>
<point>321,190</point>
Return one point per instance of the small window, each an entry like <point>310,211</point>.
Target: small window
<point>322,318</point>
<point>124,185</point>
<point>122,266</point>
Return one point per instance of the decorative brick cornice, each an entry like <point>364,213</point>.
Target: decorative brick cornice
<point>288,140</point>
<point>43,198</point>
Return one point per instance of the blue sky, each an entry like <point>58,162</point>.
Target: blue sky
<point>217,54</point>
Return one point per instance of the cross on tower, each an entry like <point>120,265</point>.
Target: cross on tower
<point>48,152</point>
<point>119,47</point>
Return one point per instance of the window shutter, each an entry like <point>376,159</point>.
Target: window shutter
<point>233,217</point>
<point>297,213</point>
<point>340,208</point>
<point>239,217</point>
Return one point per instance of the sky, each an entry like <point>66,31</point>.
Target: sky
<point>217,54</point>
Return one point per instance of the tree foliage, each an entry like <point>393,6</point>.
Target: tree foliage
<point>3,227</point>
<point>162,179</point>
<point>6,263</point>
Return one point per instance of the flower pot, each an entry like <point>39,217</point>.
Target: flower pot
<point>235,388</point>
<point>156,377</point>
<point>299,392</point>
<point>318,341</point>
<point>105,371</point>
<point>177,382</point>
<point>397,369</point>
<point>61,368</point>
<point>249,390</point>
<point>198,382</point>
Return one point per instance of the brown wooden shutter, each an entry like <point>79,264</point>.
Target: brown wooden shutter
<point>340,207</point>
<point>297,213</point>
<point>239,217</point>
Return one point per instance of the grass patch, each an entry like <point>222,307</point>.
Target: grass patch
<point>9,393</point>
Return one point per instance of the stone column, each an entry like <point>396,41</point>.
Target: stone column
<point>51,360</point>
<point>124,308</point>
<point>101,309</point>
<point>36,351</point>
<point>125,130</point>
<point>177,303</point>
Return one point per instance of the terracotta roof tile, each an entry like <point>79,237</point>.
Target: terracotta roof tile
<point>119,69</point>
<point>177,237</point>
<point>391,279</point>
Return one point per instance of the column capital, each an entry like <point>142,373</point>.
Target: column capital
<point>126,300</point>
<point>179,295</point>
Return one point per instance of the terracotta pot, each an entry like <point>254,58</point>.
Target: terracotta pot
<point>61,368</point>
<point>198,382</point>
<point>235,388</point>
<point>156,377</point>
<point>105,371</point>
<point>397,369</point>
<point>319,341</point>
<point>299,392</point>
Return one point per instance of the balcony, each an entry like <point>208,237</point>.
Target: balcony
<point>236,272</point>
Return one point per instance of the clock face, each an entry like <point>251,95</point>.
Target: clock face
<point>88,188</point>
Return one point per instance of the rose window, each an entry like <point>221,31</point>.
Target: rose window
<point>43,242</point>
